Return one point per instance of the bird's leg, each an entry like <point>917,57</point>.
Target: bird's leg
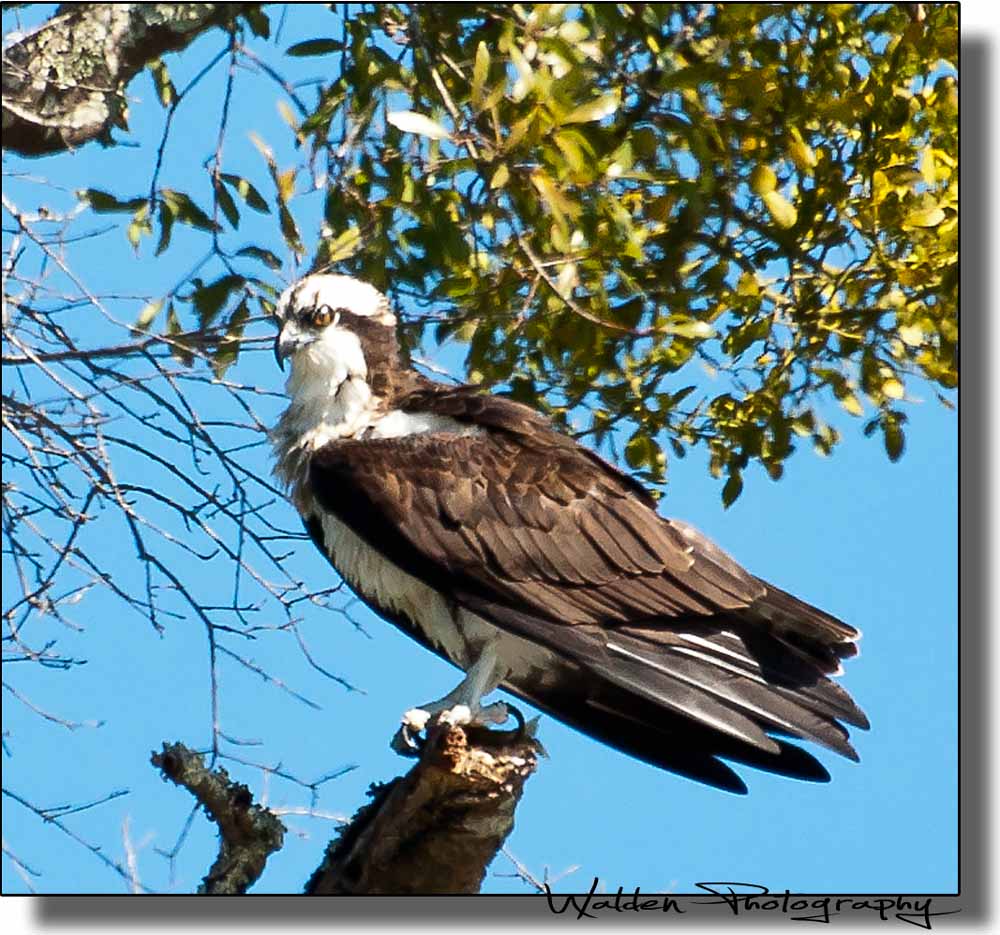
<point>462,705</point>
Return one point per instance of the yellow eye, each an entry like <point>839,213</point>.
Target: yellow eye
<point>322,316</point>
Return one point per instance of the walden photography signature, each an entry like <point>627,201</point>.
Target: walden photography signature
<point>748,899</point>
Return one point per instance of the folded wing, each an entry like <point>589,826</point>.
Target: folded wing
<point>687,655</point>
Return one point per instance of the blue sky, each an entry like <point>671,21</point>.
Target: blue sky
<point>872,542</point>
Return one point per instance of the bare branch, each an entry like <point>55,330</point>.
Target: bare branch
<point>249,833</point>
<point>24,871</point>
<point>64,83</point>
<point>53,815</point>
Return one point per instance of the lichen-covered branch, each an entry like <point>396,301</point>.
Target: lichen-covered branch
<point>436,829</point>
<point>64,83</point>
<point>249,833</point>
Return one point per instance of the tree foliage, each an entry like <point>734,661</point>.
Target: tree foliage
<point>592,197</point>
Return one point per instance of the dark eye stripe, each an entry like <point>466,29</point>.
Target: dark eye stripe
<point>340,315</point>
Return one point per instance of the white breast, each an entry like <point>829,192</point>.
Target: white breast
<point>457,634</point>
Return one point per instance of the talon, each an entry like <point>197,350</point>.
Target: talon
<point>522,725</point>
<point>502,711</point>
<point>407,741</point>
<point>416,719</point>
<point>414,742</point>
<point>526,731</point>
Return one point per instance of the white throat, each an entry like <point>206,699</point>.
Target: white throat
<point>329,391</point>
<point>330,399</point>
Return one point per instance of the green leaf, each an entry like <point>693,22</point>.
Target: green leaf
<point>597,109</point>
<point>409,121</point>
<point>928,166</point>
<point>134,235</point>
<point>852,404</point>
<point>247,192</point>
<point>689,328</point>
<point>140,225</point>
<point>480,72</point>
<point>165,90</point>
<point>732,488</point>
<point>148,314</point>
<point>895,440</point>
<point>285,183</point>
<point>781,210</point>
<point>343,247</point>
<point>763,180</point>
<point>746,334</point>
<point>747,285</point>
<point>178,349</point>
<point>314,47</point>
<point>775,469</point>
<point>226,204</point>
<point>166,217</point>
<point>893,388</point>
<point>681,394</point>
<point>186,211</point>
<point>573,31</point>
<point>929,216</point>
<point>577,159</point>
<point>208,300</point>
<point>640,450</point>
<point>259,253</point>
<point>257,19</point>
<point>105,203</point>
<point>229,348</point>
<point>801,153</point>
<point>525,73</point>
<point>289,230</point>
<point>500,177</point>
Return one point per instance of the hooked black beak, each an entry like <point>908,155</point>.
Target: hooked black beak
<point>280,350</point>
<point>287,341</point>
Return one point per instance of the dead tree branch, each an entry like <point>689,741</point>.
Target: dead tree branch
<point>64,83</point>
<point>436,829</point>
<point>249,833</point>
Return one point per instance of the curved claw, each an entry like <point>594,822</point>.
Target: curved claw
<point>407,742</point>
<point>522,724</point>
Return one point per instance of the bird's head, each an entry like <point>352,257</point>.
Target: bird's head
<point>333,328</point>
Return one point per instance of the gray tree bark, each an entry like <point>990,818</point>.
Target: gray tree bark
<point>248,833</point>
<point>64,83</point>
<point>436,829</point>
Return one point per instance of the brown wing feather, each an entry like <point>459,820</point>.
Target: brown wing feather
<point>541,536</point>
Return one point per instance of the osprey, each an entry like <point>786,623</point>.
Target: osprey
<point>532,564</point>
